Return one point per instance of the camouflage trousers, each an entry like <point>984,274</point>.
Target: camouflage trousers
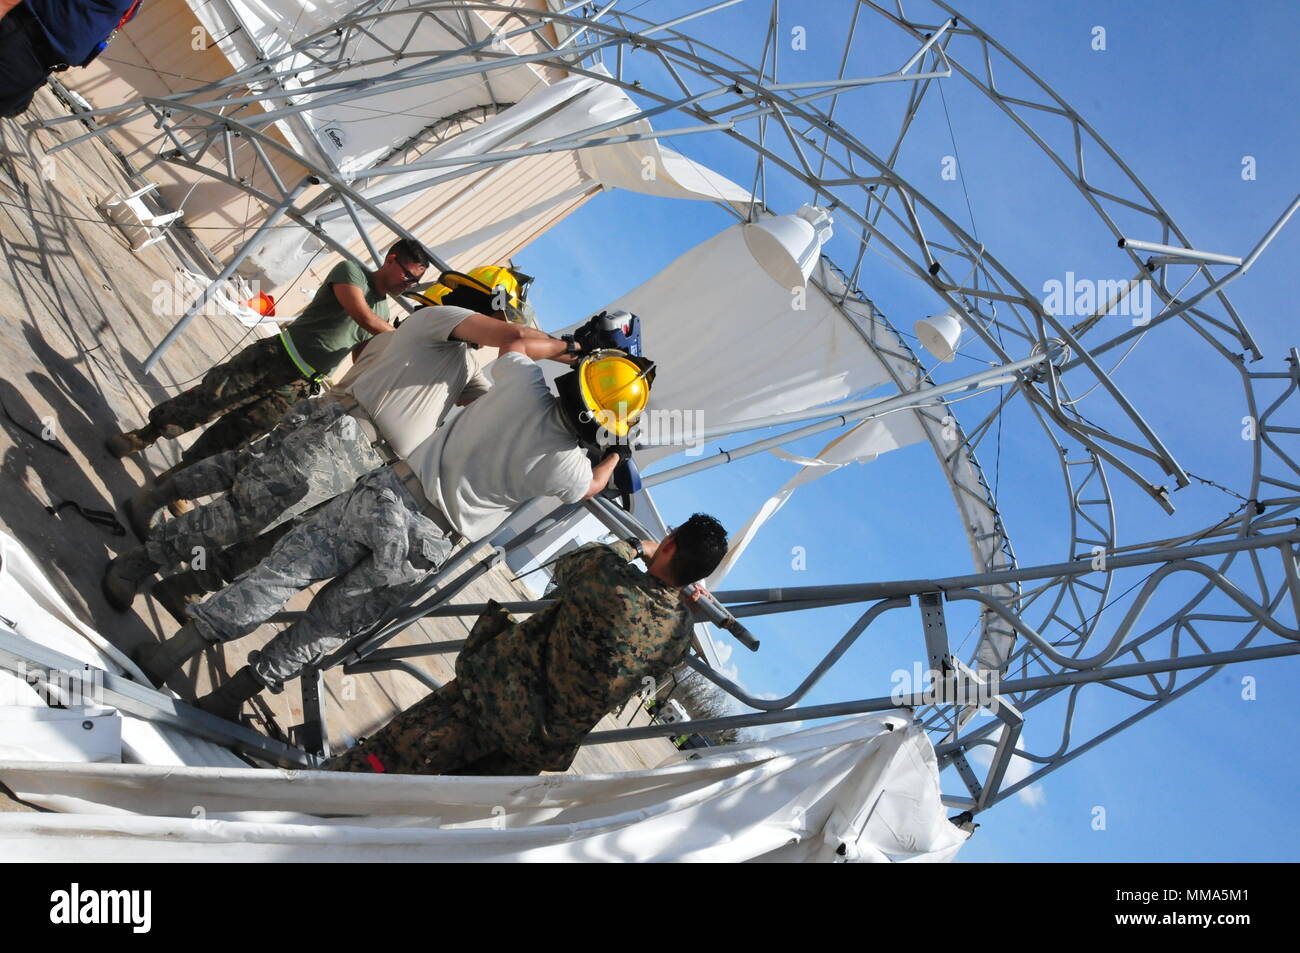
<point>437,735</point>
<point>316,452</point>
<point>373,543</point>
<point>250,393</point>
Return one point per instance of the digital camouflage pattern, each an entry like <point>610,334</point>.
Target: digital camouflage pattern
<point>250,393</point>
<point>373,543</point>
<point>438,735</point>
<point>527,692</point>
<point>316,452</point>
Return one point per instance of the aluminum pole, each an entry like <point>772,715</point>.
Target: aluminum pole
<point>865,410</point>
<point>917,700</point>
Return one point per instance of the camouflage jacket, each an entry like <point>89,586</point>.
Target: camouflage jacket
<point>540,685</point>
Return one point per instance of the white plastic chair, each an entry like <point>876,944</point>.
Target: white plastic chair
<point>141,226</point>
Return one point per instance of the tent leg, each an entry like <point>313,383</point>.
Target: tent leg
<point>312,735</point>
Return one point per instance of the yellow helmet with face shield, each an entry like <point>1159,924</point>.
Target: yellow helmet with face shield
<point>488,289</point>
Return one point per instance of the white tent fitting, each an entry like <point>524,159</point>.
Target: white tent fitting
<point>861,789</point>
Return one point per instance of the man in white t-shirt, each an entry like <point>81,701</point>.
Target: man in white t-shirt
<point>398,525</point>
<point>394,397</point>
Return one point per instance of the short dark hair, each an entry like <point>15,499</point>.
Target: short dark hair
<point>701,544</point>
<point>410,252</point>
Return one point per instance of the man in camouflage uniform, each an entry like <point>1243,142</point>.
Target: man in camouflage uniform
<point>383,538</point>
<point>526,693</point>
<point>252,391</point>
<point>395,396</point>
<point>317,452</point>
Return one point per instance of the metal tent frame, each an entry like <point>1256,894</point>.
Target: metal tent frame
<point>1040,625</point>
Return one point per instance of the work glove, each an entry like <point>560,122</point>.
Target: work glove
<point>588,336</point>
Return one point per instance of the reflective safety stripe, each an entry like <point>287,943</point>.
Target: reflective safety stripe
<point>308,371</point>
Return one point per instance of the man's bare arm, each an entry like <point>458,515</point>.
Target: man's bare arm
<point>600,475</point>
<point>354,303</point>
<point>491,332</point>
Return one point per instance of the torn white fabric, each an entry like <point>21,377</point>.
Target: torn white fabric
<point>862,443</point>
<point>354,134</point>
<point>730,344</point>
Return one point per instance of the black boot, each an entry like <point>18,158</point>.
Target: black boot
<point>159,659</point>
<point>177,593</point>
<point>141,507</point>
<point>124,577</point>
<point>227,701</point>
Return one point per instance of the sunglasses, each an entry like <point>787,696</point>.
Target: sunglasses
<point>410,278</point>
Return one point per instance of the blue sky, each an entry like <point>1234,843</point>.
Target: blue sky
<point>1182,93</point>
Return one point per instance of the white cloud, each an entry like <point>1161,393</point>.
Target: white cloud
<point>726,668</point>
<point>1019,769</point>
<point>767,732</point>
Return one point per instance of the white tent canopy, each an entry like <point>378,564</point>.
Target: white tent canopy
<point>864,789</point>
<point>355,135</point>
<point>546,113</point>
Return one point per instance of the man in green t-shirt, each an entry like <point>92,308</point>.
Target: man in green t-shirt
<point>251,391</point>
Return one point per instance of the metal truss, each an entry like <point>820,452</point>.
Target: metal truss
<point>52,671</point>
<point>1041,626</point>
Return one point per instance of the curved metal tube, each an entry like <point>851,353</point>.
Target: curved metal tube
<point>1256,611</point>
<point>842,646</point>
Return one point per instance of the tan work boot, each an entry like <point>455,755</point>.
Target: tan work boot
<point>180,507</point>
<point>131,441</point>
<point>159,659</point>
<point>228,700</point>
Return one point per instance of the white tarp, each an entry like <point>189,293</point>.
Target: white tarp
<point>862,789</point>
